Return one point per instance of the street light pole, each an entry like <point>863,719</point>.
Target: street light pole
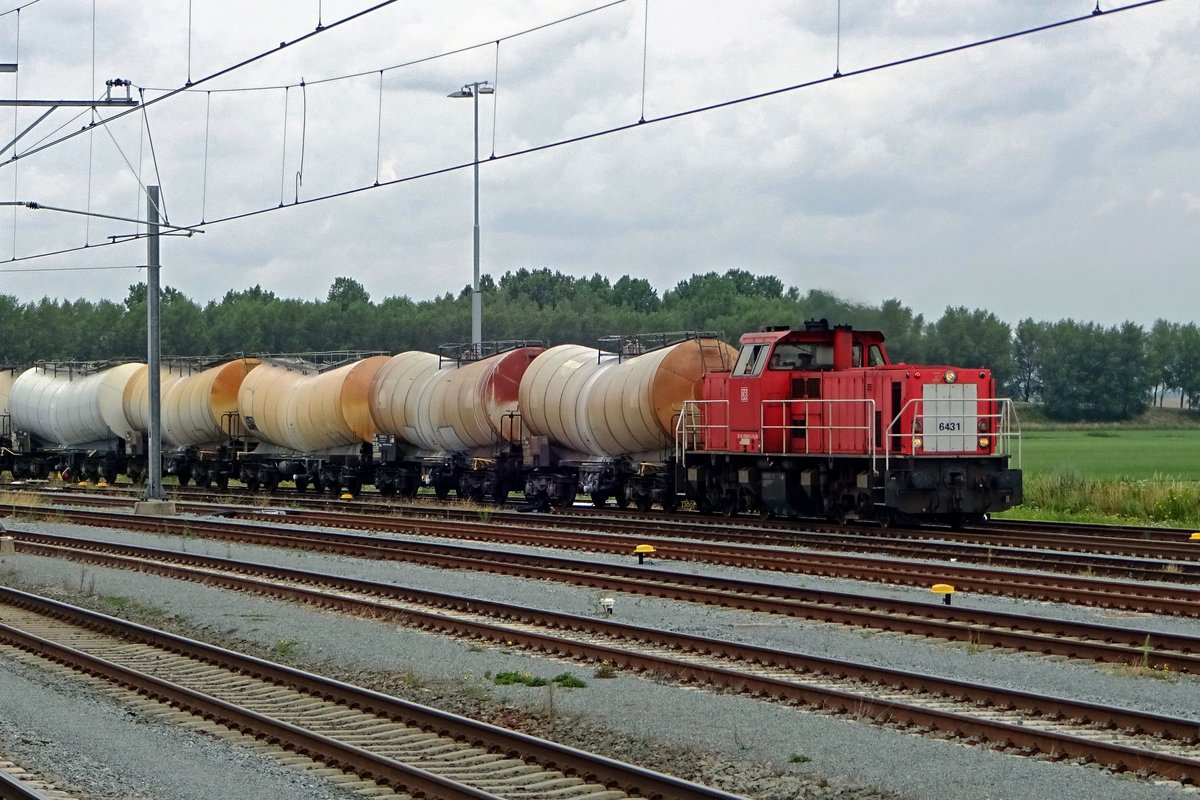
<point>473,90</point>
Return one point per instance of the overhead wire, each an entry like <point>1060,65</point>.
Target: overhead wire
<point>214,75</point>
<point>660,119</point>
<point>17,10</point>
<point>422,60</point>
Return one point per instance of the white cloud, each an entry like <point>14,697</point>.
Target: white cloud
<point>1019,177</point>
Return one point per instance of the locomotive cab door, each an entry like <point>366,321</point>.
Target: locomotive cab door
<point>745,398</point>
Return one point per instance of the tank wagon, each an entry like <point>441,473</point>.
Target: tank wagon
<point>71,417</point>
<point>8,374</point>
<point>601,422</point>
<point>201,428</point>
<point>818,421</point>
<point>310,414</point>
<point>451,421</point>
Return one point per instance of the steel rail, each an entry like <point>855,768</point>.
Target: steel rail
<point>1153,649</point>
<point>630,778</point>
<point>988,698</point>
<point>13,789</point>
<point>990,543</point>
<point>1154,598</point>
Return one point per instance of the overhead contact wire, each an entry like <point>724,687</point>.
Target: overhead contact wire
<point>415,61</point>
<point>379,129</point>
<point>226,70</point>
<point>668,117</point>
<point>495,97</point>
<point>16,95</point>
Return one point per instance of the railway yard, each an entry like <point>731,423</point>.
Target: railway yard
<point>314,648</point>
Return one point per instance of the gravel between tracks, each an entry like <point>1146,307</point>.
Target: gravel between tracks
<point>762,750</point>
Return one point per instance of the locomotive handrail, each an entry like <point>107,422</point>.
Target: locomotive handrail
<point>1002,430</point>
<point>868,427</point>
<point>689,425</point>
<point>692,422</point>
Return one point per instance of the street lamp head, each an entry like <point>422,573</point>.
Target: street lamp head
<point>463,92</point>
<point>485,89</point>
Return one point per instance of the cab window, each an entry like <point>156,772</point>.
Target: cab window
<point>750,360</point>
<point>876,357</point>
<point>801,356</point>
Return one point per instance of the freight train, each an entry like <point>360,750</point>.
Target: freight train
<point>814,421</point>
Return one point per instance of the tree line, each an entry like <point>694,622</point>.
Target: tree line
<point>1076,370</point>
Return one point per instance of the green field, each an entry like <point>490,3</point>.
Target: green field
<point>1123,475</point>
<point>1111,454</point>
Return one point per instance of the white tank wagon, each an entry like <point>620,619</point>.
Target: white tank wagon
<point>200,408</point>
<point>312,419</point>
<point>75,413</point>
<point>457,413</point>
<point>7,376</point>
<point>137,395</point>
<point>611,415</point>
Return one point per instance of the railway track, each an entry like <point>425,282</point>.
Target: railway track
<point>18,784</point>
<point>1159,598</point>
<point>1172,559</point>
<point>1150,745</point>
<point>1035,634</point>
<point>380,741</point>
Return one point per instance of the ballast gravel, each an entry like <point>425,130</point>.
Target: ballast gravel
<point>758,749</point>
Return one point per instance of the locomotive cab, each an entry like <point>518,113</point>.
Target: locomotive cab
<point>796,391</point>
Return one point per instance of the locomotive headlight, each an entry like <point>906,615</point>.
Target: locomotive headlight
<point>984,425</point>
<point>984,442</point>
<point>917,442</point>
<point>951,376</point>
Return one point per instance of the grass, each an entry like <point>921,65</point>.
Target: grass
<point>565,679</point>
<point>1145,471</point>
<point>1113,454</point>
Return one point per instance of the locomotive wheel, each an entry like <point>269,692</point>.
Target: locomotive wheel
<point>252,484</point>
<point>622,499</point>
<point>670,502</point>
<point>222,481</point>
<point>301,483</point>
<point>441,491</point>
<point>644,502</point>
<point>599,499</point>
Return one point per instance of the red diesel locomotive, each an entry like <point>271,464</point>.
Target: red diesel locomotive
<point>819,422</point>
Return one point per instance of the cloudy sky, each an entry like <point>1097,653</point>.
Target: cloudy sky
<point>1053,175</point>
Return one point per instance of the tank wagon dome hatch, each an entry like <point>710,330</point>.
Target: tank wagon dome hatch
<point>311,402</point>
